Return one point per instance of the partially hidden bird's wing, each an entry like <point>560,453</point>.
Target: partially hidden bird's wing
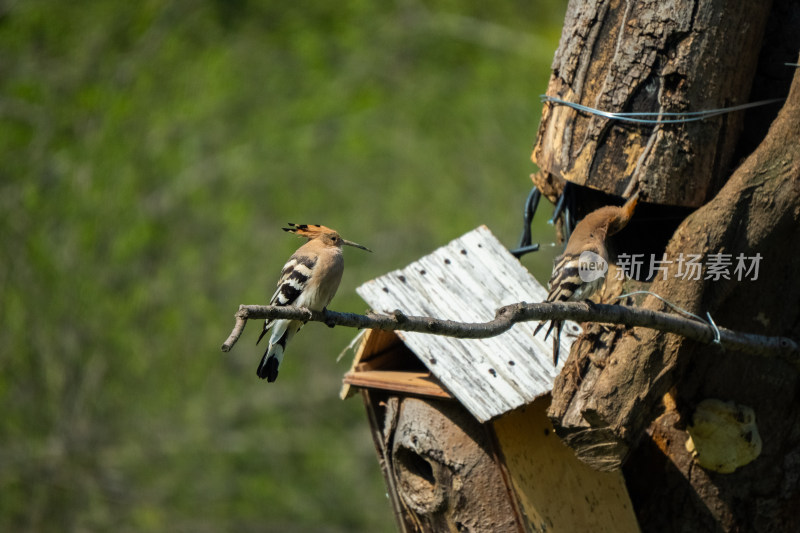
<point>565,279</point>
<point>565,285</point>
<point>294,277</point>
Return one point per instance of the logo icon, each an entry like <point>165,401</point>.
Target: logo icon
<point>591,267</point>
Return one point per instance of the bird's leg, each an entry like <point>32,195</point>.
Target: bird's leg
<point>399,316</point>
<point>328,321</point>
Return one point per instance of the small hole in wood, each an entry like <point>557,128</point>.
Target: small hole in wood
<point>417,481</point>
<point>493,372</point>
<point>422,272</point>
<point>463,251</point>
<point>446,261</point>
<point>402,278</point>
<point>386,289</point>
<point>511,363</point>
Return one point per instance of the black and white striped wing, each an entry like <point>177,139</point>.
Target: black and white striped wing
<point>566,284</point>
<point>294,278</point>
<point>566,279</point>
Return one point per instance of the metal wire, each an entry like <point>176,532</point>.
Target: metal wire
<point>528,212</point>
<point>565,205</point>
<point>638,117</point>
<point>559,204</point>
<point>710,321</point>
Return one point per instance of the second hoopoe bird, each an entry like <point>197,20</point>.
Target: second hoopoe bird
<point>309,279</point>
<point>566,283</point>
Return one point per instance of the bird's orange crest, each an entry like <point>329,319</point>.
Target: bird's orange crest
<point>327,236</point>
<point>630,205</point>
<point>309,231</point>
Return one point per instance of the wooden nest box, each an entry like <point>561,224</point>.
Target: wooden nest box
<point>460,425</point>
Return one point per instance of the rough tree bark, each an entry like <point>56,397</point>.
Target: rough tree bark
<point>649,56</point>
<point>609,407</point>
<point>440,466</point>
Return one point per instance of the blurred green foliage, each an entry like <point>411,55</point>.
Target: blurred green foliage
<point>151,151</point>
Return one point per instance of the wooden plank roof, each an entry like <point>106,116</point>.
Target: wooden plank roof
<point>467,280</point>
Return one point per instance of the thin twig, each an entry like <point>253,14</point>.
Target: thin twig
<point>509,315</point>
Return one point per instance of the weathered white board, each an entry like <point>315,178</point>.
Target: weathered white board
<point>468,280</point>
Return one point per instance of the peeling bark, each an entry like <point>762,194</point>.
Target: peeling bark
<point>649,56</point>
<point>609,412</point>
<point>444,470</point>
<point>758,211</point>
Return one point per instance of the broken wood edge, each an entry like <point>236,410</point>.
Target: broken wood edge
<point>404,381</point>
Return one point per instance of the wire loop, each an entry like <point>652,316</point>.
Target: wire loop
<point>717,335</point>
<point>640,117</point>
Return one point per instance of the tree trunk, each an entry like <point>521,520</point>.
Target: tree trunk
<point>440,465</point>
<point>649,56</point>
<point>610,406</point>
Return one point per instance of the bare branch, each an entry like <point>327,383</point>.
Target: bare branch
<point>509,315</point>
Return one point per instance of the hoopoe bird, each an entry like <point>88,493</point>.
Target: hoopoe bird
<point>566,284</point>
<point>309,279</point>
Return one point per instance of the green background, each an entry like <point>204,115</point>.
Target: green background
<point>151,151</point>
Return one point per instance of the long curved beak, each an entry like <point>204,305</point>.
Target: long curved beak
<point>355,245</point>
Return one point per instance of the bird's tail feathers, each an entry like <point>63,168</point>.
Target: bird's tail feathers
<point>268,368</point>
<point>557,324</point>
<point>267,326</point>
<point>556,344</point>
<point>556,340</point>
<point>283,331</point>
<point>541,325</point>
